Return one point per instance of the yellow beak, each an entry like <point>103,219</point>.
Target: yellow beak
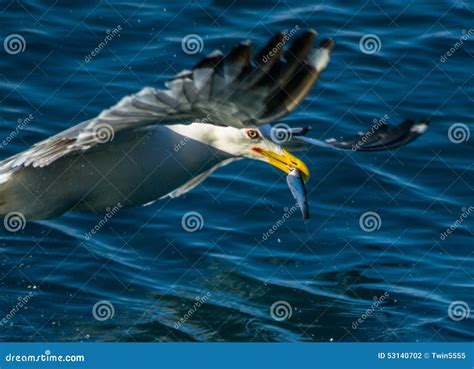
<point>285,162</point>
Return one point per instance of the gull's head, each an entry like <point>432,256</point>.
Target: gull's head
<point>252,144</point>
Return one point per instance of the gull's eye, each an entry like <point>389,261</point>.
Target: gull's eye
<point>253,134</point>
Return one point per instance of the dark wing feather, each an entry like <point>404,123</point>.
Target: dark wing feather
<point>381,138</point>
<point>237,92</point>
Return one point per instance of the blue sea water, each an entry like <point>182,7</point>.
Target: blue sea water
<point>231,280</point>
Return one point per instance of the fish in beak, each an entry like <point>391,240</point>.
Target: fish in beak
<point>298,190</point>
<point>285,161</point>
<point>298,175</point>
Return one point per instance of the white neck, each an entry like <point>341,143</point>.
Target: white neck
<point>226,139</point>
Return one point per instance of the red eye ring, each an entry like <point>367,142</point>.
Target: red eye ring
<point>253,134</point>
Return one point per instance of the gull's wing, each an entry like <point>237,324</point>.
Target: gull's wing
<point>235,91</point>
<point>231,90</point>
<point>378,138</point>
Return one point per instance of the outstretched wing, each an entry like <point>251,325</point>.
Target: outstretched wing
<point>234,91</point>
<point>383,137</point>
<point>231,90</point>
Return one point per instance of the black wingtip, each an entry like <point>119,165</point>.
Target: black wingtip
<point>328,44</point>
<point>384,137</point>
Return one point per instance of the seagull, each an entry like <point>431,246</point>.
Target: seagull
<point>161,143</point>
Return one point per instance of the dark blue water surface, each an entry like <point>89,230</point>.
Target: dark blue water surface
<point>339,282</point>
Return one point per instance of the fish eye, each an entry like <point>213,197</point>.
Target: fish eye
<point>253,134</point>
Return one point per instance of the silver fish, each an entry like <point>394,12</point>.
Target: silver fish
<point>298,190</point>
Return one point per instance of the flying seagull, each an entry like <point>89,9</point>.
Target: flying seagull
<point>162,143</point>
